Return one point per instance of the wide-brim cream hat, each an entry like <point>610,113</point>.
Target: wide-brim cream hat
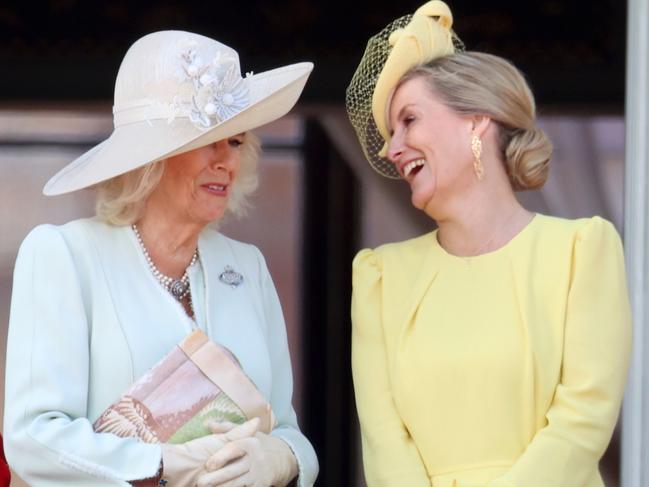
<point>177,91</point>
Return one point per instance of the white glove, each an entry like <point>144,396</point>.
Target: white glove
<point>255,461</point>
<point>182,464</point>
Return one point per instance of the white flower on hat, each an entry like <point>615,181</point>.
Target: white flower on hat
<point>206,79</point>
<point>210,108</point>
<point>192,70</point>
<point>219,91</point>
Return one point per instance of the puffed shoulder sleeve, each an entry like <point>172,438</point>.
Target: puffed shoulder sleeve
<point>390,456</point>
<point>597,345</point>
<point>281,397</point>
<point>48,439</point>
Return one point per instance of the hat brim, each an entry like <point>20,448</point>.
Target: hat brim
<point>272,94</point>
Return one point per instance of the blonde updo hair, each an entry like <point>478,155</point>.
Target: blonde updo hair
<point>121,200</point>
<point>473,83</point>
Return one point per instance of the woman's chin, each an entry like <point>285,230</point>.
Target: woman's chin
<point>208,217</point>
<point>213,212</point>
<point>420,200</point>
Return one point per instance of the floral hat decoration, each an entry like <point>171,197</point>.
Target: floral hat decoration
<point>177,91</point>
<point>404,43</point>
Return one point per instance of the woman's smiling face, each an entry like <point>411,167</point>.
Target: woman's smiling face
<point>197,184</point>
<point>430,144</point>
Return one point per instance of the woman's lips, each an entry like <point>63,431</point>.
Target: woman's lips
<point>217,189</point>
<point>412,167</point>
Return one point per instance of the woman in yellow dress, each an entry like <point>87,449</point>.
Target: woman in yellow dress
<point>493,351</point>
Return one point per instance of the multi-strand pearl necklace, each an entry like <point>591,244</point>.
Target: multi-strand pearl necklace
<point>179,288</point>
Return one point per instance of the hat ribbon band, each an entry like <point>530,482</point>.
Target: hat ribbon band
<point>146,110</point>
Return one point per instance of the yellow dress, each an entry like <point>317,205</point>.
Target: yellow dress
<point>501,370</point>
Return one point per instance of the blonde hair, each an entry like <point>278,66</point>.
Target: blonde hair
<point>121,200</point>
<point>473,83</point>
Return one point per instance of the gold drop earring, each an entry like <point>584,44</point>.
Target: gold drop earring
<point>476,148</point>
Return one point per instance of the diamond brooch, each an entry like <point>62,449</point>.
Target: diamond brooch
<point>230,277</point>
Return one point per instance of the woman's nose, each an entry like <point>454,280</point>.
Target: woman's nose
<point>395,148</point>
<point>223,155</point>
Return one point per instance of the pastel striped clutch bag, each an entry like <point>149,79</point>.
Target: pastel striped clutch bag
<point>197,382</point>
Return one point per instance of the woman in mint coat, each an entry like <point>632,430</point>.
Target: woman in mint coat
<point>97,302</point>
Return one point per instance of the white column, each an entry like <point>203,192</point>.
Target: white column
<point>635,422</point>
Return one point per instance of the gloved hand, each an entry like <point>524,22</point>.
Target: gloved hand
<point>260,460</point>
<point>182,464</point>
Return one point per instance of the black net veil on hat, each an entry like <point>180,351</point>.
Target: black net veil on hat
<point>359,94</point>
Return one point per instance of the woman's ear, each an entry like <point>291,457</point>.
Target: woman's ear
<point>480,124</point>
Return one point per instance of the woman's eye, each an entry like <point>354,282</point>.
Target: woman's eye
<point>408,120</point>
<point>235,142</point>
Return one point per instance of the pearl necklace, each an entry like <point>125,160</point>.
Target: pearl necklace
<point>179,288</point>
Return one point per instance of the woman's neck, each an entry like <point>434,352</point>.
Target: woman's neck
<point>482,224</point>
<point>171,242</point>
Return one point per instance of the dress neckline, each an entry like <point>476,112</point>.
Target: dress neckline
<point>165,296</point>
<point>493,253</point>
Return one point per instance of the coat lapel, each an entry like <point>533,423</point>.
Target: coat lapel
<point>235,315</point>
<point>215,256</point>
